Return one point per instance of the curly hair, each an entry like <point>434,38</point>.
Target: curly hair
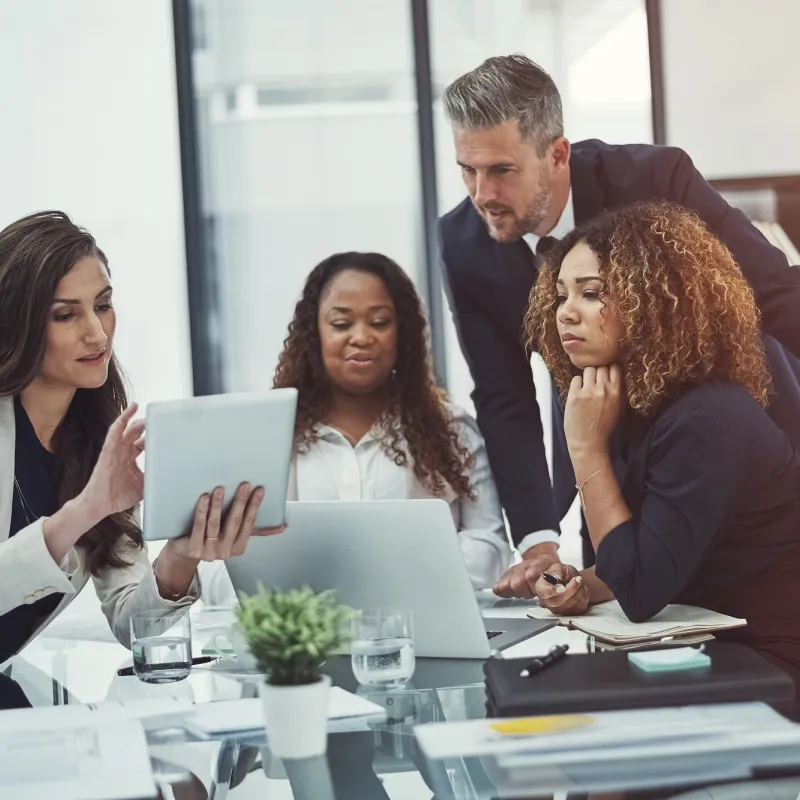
<point>416,411</point>
<point>687,311</point>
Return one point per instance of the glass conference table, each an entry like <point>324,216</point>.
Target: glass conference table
<point>382,762</point>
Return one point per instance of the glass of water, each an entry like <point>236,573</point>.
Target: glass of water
<point>382,647</point>
<point>161,645</point>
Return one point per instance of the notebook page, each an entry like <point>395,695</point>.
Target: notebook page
<point>609,620</point>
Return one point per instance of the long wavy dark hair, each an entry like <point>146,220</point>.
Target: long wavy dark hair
<point>36,252</point>
<point>416,409</point>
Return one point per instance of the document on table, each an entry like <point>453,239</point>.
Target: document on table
<point>577,738</point>
<point>108,761</point>
<point>608,622</point>
<point>152,713</point>
<point>346,712</point>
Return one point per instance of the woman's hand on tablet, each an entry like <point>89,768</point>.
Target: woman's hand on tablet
<point>216,534</point>
<point>116,483</point>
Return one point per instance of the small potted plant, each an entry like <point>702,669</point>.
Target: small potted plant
<point>290,636</point>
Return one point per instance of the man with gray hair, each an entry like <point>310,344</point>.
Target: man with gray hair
<point>528,185</point>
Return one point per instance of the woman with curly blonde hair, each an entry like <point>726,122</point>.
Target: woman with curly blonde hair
<point>652,335</point>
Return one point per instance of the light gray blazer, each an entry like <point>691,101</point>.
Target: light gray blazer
<point>28,571</point>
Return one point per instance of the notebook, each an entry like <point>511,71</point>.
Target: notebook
<point>607,623</point>
<point>659,644</point>
<point>582,682</point>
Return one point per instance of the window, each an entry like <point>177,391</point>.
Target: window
<point>199,30</point>
<point>319,157</point>
<point>287,96</point>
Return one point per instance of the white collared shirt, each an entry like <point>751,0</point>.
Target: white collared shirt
<point>333,469</point>
<point>566,223</point>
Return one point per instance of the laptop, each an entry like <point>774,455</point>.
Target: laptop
<point>384,553</point>
<point>196,444</point>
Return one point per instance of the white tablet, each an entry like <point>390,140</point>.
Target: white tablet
<point>197,444</point>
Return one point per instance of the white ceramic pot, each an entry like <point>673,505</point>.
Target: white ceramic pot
<point>296,718</point>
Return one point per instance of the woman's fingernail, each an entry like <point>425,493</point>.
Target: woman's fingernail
<point>204,504</point>
<point>561,589</point>
<point>579,579</point>
<point>219,492</point>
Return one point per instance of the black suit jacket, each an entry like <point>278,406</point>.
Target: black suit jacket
<point>714,489</point>
<point>488,286</point>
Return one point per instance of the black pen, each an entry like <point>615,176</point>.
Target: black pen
<point>552,580</point>
<point>538,664</point>
<point>125,671</point>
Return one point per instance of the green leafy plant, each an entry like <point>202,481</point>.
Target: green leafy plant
<point>291,634</point>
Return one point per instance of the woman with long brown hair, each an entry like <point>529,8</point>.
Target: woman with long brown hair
<point>371,422</point>
<point>69,481</point>
<point>691,492</point>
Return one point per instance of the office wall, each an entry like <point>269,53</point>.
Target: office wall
<point>88,124</point>
<point>731,81</point>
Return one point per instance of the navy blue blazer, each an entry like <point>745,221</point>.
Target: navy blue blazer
<point>714,488</point>
<point>488,285</point>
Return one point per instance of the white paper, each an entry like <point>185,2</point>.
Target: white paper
<point>608,620</point>
<point>91,762</point>
<point>152,713</point>
<point>238,716</point>
<point>617,734</point>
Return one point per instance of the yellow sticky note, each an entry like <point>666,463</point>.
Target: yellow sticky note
<point>529,726</point>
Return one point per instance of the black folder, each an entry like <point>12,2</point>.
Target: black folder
<point>606,681</point>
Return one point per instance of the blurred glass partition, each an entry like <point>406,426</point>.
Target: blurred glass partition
<point>308,146</point>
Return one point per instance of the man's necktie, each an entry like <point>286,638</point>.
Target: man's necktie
<point>544,245</point>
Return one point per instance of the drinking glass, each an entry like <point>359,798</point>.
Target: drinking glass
<point>382,647</point>
<point>161,645</point>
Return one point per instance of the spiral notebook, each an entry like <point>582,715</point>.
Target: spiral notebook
<point>607,623</point>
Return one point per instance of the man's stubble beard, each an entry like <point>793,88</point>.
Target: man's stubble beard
<point>537,211</point>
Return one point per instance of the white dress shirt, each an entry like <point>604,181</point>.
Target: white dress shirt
<point>334,469</point>
<point>566,223</point>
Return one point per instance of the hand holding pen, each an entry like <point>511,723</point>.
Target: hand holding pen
<point>561,590</point>
<point>553,581</point>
